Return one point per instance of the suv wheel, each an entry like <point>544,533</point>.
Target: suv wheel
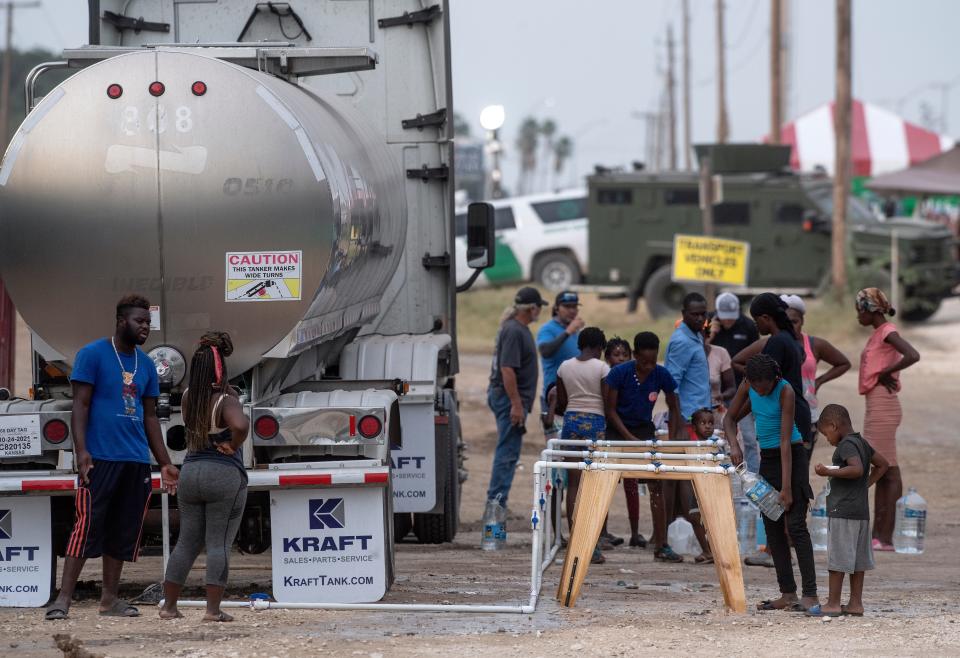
<point>662,295</point>
<point>556,271</point>
<point>920,310</point>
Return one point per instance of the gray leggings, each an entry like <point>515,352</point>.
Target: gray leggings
<point>211,497</point>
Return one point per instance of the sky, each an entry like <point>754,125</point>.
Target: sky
<point>592,65</point>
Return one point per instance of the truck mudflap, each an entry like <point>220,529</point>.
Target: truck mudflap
<point>52,483</point>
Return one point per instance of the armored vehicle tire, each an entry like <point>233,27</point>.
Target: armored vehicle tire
<point>402,524</point>
<point>664,296</point>
<point>921,311</point>
<point>442,528</point>
<point>556,271</point>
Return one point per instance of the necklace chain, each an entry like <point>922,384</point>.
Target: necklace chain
<point>123,370</point>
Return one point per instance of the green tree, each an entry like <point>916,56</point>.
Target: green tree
<point>20,65</point>
<point>461,127</point>
<point>528,141</point>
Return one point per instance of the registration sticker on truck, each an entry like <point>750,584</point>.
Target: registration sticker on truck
<point>263,276</point>
<point>20,436</point>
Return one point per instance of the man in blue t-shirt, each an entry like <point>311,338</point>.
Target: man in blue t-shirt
<point>630,393</point>
<point>686,359</point>
<point>557,339</point>
<point>115,428</point>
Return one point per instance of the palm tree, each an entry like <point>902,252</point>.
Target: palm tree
<point>562,150</point>
<point>548,128</point>
<point>527,142</point>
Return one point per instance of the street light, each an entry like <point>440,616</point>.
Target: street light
<point>492,118</point>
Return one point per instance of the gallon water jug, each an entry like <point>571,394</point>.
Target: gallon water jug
<point>759,492</point>
<point>818,521</point>
<point>911,523</point>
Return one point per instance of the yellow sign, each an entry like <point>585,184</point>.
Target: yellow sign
<point>710,260</point>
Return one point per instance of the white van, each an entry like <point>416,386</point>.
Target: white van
<point>540,238</point>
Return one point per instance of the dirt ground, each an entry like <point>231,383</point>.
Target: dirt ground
<point>630,604</point>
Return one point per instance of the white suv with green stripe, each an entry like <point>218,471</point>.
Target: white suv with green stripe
<point>540,238</point>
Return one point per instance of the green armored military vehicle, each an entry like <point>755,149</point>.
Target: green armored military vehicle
<point>784,216</point>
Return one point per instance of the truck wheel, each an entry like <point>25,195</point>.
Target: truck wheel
<point>442,528</point>
<point>662,295</point>
<point>556,271</point>
<point>402,524</point>
<point>921,310</point>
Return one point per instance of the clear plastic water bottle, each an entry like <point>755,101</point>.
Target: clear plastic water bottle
<point>911,523</point>
<point>818,520</point>
<point>494,525</point>
<point>746,515</point>
<point>759,492</point>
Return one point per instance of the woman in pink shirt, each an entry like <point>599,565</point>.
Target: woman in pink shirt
<point>884,356</point>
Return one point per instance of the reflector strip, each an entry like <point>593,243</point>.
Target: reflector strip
<point>49,485</point>
<point>353,425</point>
<point>372,478</point>
<point>441,420</point>
<point>304,480</point>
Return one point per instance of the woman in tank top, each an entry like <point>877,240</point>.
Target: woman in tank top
<point>213,481</point>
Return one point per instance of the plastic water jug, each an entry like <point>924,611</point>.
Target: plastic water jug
<point>819,521</point>
<point>747,516</point>
<point>759,492</point>
<point>494,526</point>
<point>911,523</point>
<point>681,538</point>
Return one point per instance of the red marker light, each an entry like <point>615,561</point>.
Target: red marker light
<point>266,427</point>
<point>198,88</point>
<point>56,431</point>
<point>370,427</point>
<point>114,91</point>
<point>157,89</point>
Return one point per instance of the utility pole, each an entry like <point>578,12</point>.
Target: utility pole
<point>723,127</point>
<point>841,180</point>
<point>707,195</point>
<point>671,101</point>
<point>776,79</point>
<point>10,7</point>
<point>686,85</point>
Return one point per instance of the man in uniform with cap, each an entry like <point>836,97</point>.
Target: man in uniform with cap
<point>513,386</point>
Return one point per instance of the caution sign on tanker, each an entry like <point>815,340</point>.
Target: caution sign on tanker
<point>705,259</point>
<point>264,276</point>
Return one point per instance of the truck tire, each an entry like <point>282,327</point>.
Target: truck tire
<point>402,524</point>
<point>556,271</point>
<point>664,296</point>
<point>922,310</point>
<point>442,528</point>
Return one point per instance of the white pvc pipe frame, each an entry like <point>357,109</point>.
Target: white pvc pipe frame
<point>541,529</point>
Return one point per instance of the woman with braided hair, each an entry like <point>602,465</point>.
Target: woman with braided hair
<point>884,356</point>
<point>783,463</point>
<point>213,481</point>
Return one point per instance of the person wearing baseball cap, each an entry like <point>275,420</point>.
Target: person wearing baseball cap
<point>557,339</point>
<point>513,386</point>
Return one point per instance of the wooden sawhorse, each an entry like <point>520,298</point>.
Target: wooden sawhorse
<point>714,499</point>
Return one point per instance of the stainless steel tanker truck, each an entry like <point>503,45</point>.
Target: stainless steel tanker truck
<point>281,171</point>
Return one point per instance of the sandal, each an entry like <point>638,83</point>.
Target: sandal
<point>120,608</point>
<point>878,545</point>
<point>667,554</point>
<point>55,613</point>
<point>638,541</point>
<point>767,604</point>
<point>613,539</point>
<point>703,558</point>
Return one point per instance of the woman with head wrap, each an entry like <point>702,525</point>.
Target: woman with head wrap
<point>884,356</point>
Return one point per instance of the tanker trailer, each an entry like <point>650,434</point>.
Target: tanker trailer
<point>313,225</point>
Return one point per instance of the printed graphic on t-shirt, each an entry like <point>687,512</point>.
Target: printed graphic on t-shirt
<point>130,399</point>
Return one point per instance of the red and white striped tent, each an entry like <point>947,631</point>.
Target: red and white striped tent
<point>882,141</point>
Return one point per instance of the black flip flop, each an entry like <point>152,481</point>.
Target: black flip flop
<point>120,608</point>
<point>55,614</point>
